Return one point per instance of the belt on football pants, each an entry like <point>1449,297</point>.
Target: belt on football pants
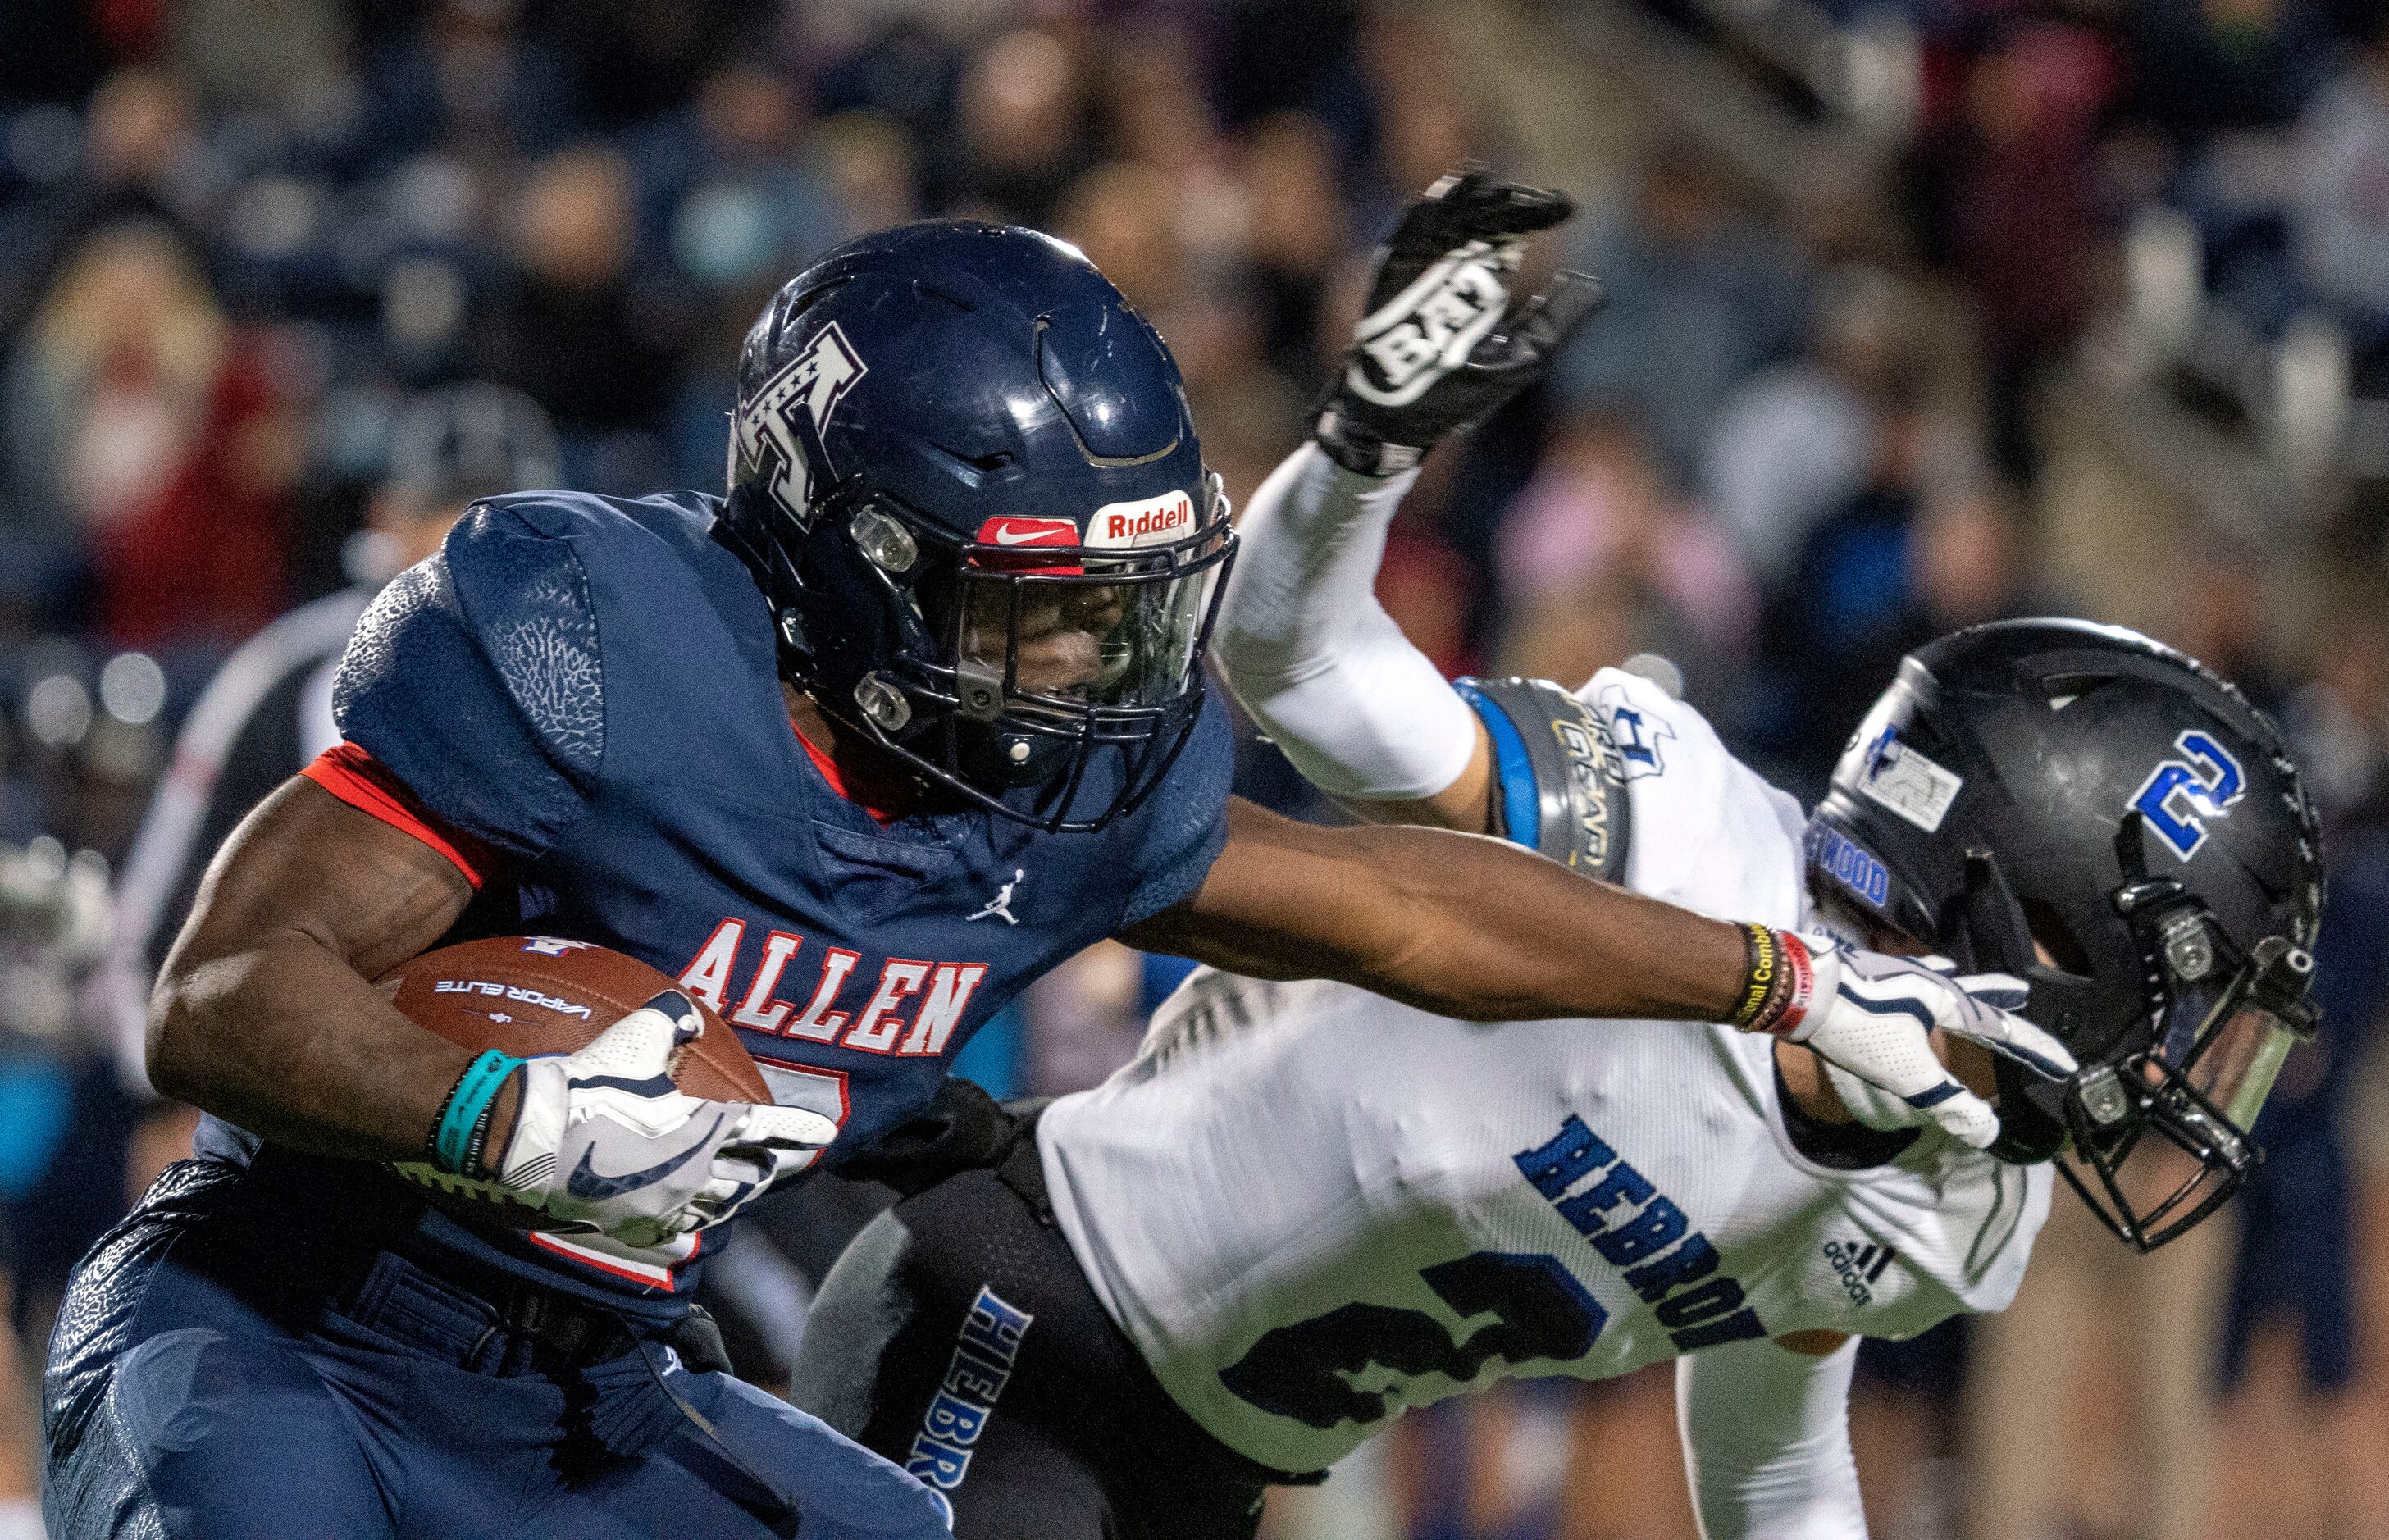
<point>563,1330</point>
<point>508,1326</point>
<point>525,1328</point>
<point>486,1320</point>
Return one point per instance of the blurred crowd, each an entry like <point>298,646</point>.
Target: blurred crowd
<point>1819,422</point>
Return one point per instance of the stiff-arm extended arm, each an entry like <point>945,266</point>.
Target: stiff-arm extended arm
<point>1462,924</point>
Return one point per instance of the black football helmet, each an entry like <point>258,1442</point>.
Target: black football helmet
<point>963,473</point>
<point>2087,788</point>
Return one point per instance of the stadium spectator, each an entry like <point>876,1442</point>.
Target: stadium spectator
<point>285,57</point>
<point>1793,443</point>
<point>146,430</point>
<point>1700,297</point>
<point>1920,549</point>
<point>1020,129</point>
<point>1600,560</point>
<point>2339,217</point>
<point>469,81</point>
<point>2022,210</point>
<point>726,186</point>
<point>2203,67</point>
<point>1296,238</point>
<point>573,333</point>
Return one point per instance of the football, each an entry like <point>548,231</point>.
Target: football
<point>532,995</point>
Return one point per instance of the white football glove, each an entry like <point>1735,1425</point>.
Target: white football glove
<point>1870,1015</point>
<point>603,1140</point>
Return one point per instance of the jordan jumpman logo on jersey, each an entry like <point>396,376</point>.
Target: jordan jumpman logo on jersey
<point>1000,905</point>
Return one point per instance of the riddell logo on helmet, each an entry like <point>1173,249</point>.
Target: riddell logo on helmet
<point>1155,521</point>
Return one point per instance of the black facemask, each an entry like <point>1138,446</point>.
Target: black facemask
<point>2218,1023</point>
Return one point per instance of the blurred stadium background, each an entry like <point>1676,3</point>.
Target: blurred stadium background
<point>1926,311</point>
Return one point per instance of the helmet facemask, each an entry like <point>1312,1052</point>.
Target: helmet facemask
<point>1026,658</point>
<point>2154,1133</point>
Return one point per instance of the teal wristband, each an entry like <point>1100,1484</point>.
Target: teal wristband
<point>452,1138</point>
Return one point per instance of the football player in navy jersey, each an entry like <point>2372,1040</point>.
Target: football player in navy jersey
<point>914,714</point>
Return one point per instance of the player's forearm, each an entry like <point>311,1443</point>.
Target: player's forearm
<point>291,1043</point>
<point>1490,932</point>
<point>263,1013</point>
<point>1460,924</point>
<point>1314,657</point>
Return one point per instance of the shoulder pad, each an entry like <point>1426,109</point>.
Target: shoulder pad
<point>1560,786</point>
<point>474,678</point>
<point>528,601</point>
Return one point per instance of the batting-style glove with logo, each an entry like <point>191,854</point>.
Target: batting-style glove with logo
<point>1442,347</point>
<point>1870,1015</point>
<point>605,1141</point>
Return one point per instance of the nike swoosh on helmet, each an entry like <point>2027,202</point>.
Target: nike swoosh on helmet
<point>1007,536</point>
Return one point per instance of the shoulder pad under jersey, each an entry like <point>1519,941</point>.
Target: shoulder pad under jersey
<point>475,678</point>
<point>1558,781</point>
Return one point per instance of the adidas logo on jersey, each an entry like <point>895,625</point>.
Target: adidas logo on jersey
<point>1858,1268</point>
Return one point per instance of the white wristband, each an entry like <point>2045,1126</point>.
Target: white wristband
<point>1314,657</point>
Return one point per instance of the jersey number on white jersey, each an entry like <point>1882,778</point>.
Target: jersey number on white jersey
<point>1540,1312</point>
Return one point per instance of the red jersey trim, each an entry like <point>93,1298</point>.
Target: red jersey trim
<point>363,783</point>
<point>665,1278</point>
<point>828,769</point>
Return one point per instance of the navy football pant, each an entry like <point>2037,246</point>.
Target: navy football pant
<point>209,1381</point>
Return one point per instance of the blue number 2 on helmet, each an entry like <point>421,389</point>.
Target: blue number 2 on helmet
<point>2179,793</point>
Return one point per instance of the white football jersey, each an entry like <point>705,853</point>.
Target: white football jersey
<point>1311,1207</point>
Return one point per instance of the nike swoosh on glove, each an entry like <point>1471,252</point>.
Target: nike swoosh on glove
<point>1871,1015</point>
<point>1442,347</point>
<point>605,1141</point>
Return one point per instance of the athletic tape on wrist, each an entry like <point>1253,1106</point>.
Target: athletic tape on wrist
<point>467,1112</point>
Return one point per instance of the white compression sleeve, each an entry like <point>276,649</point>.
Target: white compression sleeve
<point>1766,1441</point>
<point>1316,659</point>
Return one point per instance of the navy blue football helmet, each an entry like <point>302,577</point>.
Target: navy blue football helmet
<point>963,473</point>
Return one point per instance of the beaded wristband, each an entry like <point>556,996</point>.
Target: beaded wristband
<point>464,1121</point>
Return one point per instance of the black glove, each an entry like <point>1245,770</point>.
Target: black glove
<point>962,1129</point>
<point>1441,347</point>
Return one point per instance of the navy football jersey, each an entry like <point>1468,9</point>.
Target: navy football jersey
<point>580,694</point>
